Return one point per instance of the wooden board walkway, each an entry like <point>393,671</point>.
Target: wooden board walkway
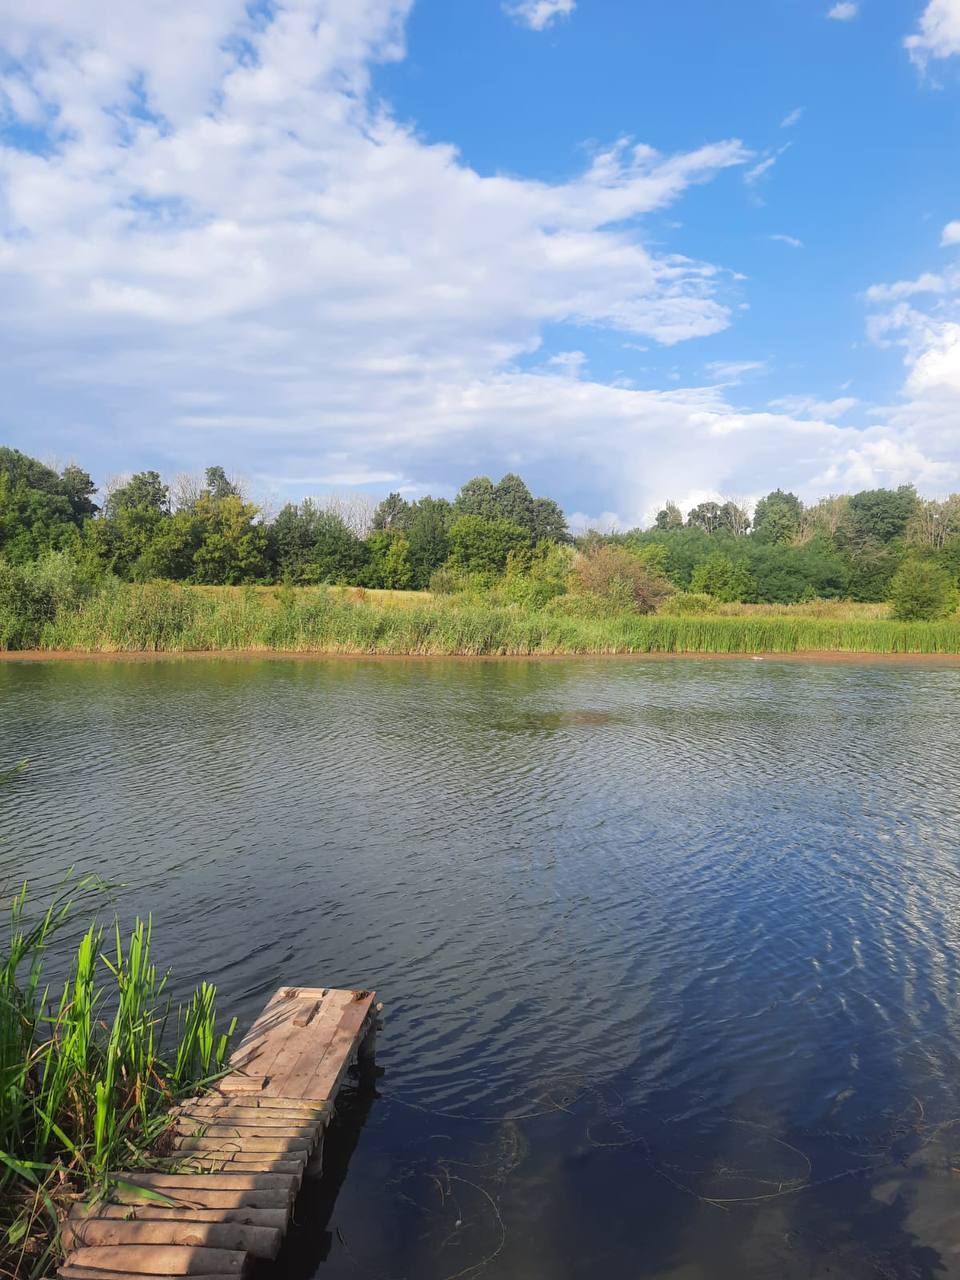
<point>225,1180</point>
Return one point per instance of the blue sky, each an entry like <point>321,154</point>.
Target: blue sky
<point>637,251</point>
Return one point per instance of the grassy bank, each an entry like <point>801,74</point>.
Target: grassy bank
<point>86,1073</point>
<point>163,617</point>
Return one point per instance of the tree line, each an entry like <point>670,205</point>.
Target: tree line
<point>206,530</point>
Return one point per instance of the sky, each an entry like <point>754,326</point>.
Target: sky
<point>636,250</point>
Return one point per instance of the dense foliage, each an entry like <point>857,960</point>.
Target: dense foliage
<point>877,545</point>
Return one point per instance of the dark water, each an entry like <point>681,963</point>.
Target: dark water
<point>670,951</point>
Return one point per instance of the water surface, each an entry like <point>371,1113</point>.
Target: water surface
<point>670,950</point>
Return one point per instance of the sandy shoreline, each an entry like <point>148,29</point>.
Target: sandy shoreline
<point>839,657</point>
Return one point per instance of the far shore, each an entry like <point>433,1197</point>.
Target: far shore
<point>830,656</point>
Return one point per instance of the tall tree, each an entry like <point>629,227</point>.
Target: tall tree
<point>428,535</point>
<point>478,497</point>
<point>705,516</point>
<point>669,517</point>
<point>777,517</point>
<point>394,512</point>
<point>880,515</point>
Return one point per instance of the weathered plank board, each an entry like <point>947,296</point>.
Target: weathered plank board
<point>223,1190</point>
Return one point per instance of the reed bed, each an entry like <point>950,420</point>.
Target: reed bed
<point>86,1073</point>
<point>165,617</point>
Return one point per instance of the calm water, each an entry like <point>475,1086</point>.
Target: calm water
<point>670,951</point>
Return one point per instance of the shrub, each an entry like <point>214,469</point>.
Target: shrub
<point>922,591</point>
<point>621,577</point>
<point>689,603</point>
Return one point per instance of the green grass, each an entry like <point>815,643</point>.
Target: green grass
<point>86,1073</point>
<point>164,617</point>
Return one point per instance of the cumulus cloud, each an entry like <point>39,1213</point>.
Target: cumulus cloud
<point>939,32</point>
<point>227,249</point>
<point>845,11</point>
<point>951,234</point>
<point>540,14</point>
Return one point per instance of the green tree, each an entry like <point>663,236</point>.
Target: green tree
<point>705,516</point>
<point>40,509</point>
<point>786,573</point>
<point>310,544</point>
<point>548,522</point>
<point>219,486</point>
<point>394,512</point>
<point>922,590</point>
<point>144,491</point>
<point>427,534</point>
<point>397,569</point>
<point>78,488</point>
<point>777,517</point>
<point>880,515</point>
<point>479,546</point>
<point>478,497</point>
<point>669,517</point>
<point>723,578</point>
<point>233,546</point>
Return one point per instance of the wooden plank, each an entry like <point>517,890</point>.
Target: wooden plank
<point>273,1055</point>
<point>154,1212</point>
<point>211,1181</point>
<point>259,1242</point>
<point>253,1198</point>
<point>213,1161</point>
<point>273,1146</point>
<point>69,1272</point>
<point>343,1048</point>
<point>266,1038</point>
<point>320,1077</point>
<point>190,1127</point>
<point>165,1260</point>
<point>250,1118</point>
<point>302,1055</point>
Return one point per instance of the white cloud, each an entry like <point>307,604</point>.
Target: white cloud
<point>230,252</point>
<point>540,14</point>
<point>811,407</point>
<point>792,118</point>
<point>763,167</point>
<point>845,11</point>
<point>730,372</point>
<point>792,241</point>
<point>939,33</point>
<point>951,234</point>
<point>929,282</point>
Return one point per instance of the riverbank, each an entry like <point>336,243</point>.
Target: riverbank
<point>16,657</point>
<point>156,618</point>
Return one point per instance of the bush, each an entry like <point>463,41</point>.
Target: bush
<point>922,591</point>
<point>620,577</point>
<point>689,603</point>
<point>32,594</point>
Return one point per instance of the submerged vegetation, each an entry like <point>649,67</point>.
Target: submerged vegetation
<point>196,566</point>
<point>87,1069</point>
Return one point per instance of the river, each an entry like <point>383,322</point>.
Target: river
<point>670,950</point>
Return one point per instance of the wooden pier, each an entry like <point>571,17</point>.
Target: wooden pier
<point>224,1183</point>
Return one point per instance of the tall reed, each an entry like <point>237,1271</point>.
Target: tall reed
<point>164,617</point>
<point>87,1075</point>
